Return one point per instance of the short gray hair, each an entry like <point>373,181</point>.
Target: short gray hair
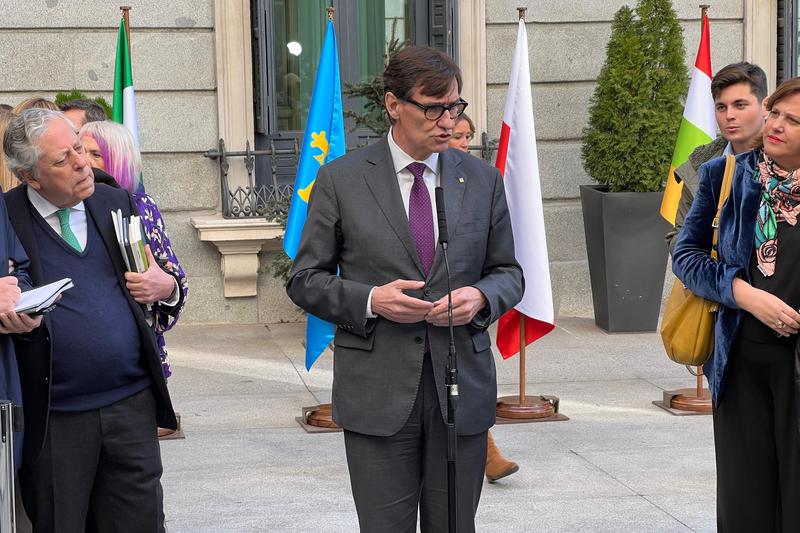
<point>21,139</point>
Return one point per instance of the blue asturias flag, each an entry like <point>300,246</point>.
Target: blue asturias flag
<point>323,142</point>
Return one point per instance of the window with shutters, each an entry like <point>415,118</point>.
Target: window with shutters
<point>788,37</point>
<point>287,38</point>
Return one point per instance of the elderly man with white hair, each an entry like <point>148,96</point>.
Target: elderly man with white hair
<point>93,390</point>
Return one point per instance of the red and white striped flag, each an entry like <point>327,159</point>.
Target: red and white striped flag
<point>517,161</point>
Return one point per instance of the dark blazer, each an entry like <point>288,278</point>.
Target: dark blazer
<point>34,351</point>
<point>711,279</point>
<point>11,249</point>
<point>357,223</point>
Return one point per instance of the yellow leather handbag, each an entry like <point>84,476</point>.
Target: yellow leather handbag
<point>687,328</point>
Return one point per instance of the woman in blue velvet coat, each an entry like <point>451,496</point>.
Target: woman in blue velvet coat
<point>754,371</point>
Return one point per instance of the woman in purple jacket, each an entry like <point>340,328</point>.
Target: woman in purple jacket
<point>111,147</point>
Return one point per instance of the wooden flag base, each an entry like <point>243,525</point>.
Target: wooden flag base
<point>318,419</point>
<point>694,401</point>
<point>523,408</point>
<point>528,407</point>
<point>687,400</point>
<point>172,434</point>
<point>322,416</point>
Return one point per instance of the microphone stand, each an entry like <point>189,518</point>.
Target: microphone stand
<point>451,377</point>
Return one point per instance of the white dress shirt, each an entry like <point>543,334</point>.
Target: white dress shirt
<point>728,150</point>
<point>78,225</point>
<point>49,212</point>
<point>405,179</point>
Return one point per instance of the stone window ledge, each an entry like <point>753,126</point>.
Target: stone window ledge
<point>239,242</point>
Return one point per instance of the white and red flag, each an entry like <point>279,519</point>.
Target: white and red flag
<point>518,163</point>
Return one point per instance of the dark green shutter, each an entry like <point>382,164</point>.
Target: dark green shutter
<point>260,74</point>
<point>787,40</point>
<point>441,25</point>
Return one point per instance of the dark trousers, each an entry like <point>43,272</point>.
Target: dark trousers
<point>106,458</point>
<point>393,477</point>
<point>756,441</point>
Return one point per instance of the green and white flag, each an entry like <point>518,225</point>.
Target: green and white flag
<point>124,103</point>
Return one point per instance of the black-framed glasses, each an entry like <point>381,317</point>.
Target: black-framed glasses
<point>435,111</point>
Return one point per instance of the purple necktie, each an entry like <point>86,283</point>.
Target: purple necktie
<point>420,217</point>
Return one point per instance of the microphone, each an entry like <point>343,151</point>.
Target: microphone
<point>451,375</point>
<point>444,238</point>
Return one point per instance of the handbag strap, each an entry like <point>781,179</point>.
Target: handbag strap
<point>724,191</point>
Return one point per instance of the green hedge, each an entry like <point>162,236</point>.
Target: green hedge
<point>638,103</point>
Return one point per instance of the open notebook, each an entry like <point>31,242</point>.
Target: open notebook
<point>41,299</point>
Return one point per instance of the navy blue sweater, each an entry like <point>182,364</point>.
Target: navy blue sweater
<point>96,351</point>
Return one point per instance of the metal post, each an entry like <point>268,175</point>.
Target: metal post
<point>7,470</point>
<point>126,16</point>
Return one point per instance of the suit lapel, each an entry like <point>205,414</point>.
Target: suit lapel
<point>381,180</point>
<point>100,209</point>
<point>101,213</point>
<point>453,182</point>
<point>21,213</point>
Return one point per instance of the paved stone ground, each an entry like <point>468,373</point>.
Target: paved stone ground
<point>619,464</point>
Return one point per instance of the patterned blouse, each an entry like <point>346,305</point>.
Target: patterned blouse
<point>162,250</point>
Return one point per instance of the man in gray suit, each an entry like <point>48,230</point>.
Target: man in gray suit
<point>371,218</point>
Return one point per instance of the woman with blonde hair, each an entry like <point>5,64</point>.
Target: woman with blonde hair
<point>7,178</point>
<point>112,148</point>
<point>35,102</point>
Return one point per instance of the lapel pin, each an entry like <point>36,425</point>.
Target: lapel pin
<point>461,180</point>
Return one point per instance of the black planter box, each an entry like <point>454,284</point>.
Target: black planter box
<point>627,257</point>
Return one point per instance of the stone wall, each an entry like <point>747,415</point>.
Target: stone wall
<point>51,46</point>
<point>56,45</point>
<point>567,42</point>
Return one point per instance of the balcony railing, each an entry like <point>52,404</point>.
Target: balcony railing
<point>254,201</point>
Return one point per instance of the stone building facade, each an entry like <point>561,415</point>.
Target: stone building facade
<point>194,80</point>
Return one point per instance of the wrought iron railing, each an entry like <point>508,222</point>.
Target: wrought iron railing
<point>253,200</point>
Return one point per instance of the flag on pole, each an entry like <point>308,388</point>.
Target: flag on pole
<point>323,141</point>
<point>517,161</point>
<point>124,102</point>
<point>698,127</point>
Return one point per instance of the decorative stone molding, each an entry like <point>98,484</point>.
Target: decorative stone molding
<point>472,59</point>
<point>234,63</point>
<point>239,241</point>
<point>761,36</point>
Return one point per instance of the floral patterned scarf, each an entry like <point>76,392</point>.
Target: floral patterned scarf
<point>780,202</point>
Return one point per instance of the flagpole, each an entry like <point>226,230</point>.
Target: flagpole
<point>319,418</point>
<point>126,16</point>
<point>521,360</point>
<point>522,345</point>
<point>703,15</point>
<point>521,408</point>
<point>695,400</point>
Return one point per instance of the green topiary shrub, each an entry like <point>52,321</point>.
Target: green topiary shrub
<point>637,106</point>
<point>75,94</point>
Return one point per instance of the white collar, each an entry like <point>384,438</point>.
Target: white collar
<point>401,160</point>
<point>728,149</point>
<point>43,205</point>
